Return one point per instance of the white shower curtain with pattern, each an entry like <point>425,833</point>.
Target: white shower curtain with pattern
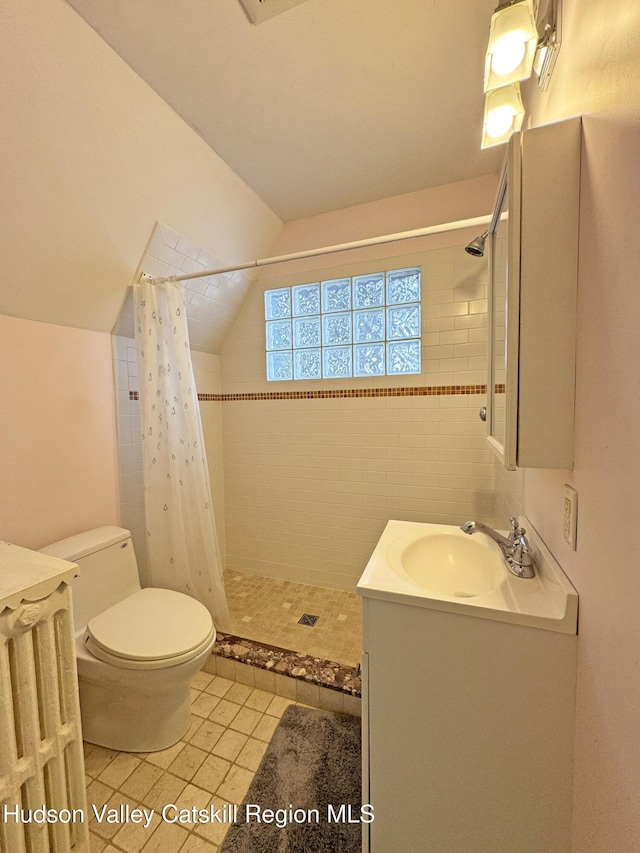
<point>182,543</point>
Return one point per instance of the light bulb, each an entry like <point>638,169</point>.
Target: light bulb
<point>508,52</point>
<point>499,121</point>
<point>540,58</point>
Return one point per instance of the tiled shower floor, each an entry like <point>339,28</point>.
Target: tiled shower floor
<point>268,610</point>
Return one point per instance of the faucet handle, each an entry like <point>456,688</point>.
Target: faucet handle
<point>519,558</point>
<point>516,531</point>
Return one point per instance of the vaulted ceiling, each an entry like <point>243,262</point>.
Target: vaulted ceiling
<point>329,104</point>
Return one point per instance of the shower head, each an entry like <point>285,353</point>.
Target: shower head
<point>476,247</point>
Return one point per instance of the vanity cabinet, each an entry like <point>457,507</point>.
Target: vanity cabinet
<point>468,728</point>
<point>468,704</point>
<point>533,262</point>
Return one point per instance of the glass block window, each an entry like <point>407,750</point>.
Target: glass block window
<point>367,325</point>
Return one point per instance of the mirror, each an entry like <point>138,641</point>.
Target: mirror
<point>498,317</point>
<point>532,299</point>
<point>500,239</point>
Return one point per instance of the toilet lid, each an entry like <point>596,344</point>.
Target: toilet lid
<point>151,625</point>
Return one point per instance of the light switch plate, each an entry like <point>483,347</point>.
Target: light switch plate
<point>570,516</point>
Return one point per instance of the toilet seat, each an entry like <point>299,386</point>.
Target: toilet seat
<point>150,629</point>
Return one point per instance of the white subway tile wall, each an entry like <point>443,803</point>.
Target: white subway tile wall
<point>454,326</point>
<point>130,447</point>
<point>303,487</point>
<point>310,483</point>
<point>212,301</point>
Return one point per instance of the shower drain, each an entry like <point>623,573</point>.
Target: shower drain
<point>308,619</point>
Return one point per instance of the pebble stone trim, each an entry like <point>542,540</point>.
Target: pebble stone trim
<point>325,673</point>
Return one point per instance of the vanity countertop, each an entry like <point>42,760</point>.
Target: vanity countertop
<point>546,601</point>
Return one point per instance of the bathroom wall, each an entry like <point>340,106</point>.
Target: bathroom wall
<point>509,487</point>
<point>58,470</point>
<point>598,75</point>
<point>311,482</point>
<point>90,159</point>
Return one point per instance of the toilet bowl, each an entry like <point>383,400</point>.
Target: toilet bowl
<point>136,649</point>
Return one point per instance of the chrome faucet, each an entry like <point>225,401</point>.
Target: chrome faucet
<point>515,548</point>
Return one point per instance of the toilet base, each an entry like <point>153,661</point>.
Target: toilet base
<point>134,719</point>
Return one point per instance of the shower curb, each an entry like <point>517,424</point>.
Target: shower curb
<point>304,678</point>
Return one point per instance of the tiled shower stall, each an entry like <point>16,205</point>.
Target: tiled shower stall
<point>305,474</point>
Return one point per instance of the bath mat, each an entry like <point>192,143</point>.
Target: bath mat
<point>311,773</point>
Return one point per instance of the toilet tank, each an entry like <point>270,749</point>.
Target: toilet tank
<point>108,570</point>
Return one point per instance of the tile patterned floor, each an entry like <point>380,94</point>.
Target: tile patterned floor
<point>268,610</point>
<point>215,762</point>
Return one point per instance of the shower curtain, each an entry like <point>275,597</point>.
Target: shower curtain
<point>182,543</point>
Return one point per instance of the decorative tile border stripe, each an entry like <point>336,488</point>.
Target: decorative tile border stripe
<point>417,391</point>
<point>325,673</point>
<point>344,393</point>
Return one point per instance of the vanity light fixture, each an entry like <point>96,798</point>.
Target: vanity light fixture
<point>503,114</point>
<point>549,43</point>
<point>513,39</point>
<point>516,48</point>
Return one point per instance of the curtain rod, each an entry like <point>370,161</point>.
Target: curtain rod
<point>328,250</point>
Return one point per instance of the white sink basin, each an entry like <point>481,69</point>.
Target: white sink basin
<point>437,566</point>
<point>448,563</point>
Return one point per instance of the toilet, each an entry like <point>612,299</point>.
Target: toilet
<point>136,649</point>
